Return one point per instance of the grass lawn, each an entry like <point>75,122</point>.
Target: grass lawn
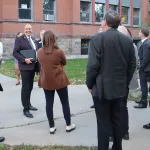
<point>23,147</point>
<point>75,69</point>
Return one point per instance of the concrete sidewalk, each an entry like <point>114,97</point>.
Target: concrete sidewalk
<point>20,130</point>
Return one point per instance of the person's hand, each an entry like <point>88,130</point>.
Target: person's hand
<point>28,60</point>
<point>90,90</point>
<point>37,73</point>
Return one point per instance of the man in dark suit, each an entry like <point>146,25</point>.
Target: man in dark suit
<point>2,139</point>
<point>144,70</point>
<point>27,68</point>
<point>40,41</point>
<point>40,45</point>
<point>111,65</point>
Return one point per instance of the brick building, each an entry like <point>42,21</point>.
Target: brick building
<point>74,21</point>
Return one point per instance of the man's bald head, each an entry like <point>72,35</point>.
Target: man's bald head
<point>123,30</point>
<point>42,33</point>
<point>28,29</point>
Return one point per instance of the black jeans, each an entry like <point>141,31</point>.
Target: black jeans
<point>63,95</point>
<point>144,76</point>
<point>124,116</point>
<point>108,113</point>
<point>27,86</point>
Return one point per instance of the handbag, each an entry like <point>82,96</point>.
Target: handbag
<point>1,88</point>
<point>31,53</point>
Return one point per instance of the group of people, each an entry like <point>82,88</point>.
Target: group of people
<point>50,62</point>
<point>112,61</point>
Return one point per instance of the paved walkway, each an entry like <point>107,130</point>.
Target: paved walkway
<point>20,130</point>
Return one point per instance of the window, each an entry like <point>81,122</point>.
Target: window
<point>25,9</point>
<point>49,10</point>
<point>125,15</point>
<point>99,12</point>
<point>85,11</point>
<point>113,7</point>
<point>149,9</point>
<point>136,16</point>
<point>84,46</point>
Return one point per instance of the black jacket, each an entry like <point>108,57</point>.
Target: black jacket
<point>22,43</point>
<point>111,64</point>
<point>144,55</point>
<point>39,43</point>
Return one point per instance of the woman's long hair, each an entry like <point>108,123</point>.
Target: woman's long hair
<point>49,42</point>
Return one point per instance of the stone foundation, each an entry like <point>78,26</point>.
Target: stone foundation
<point>71,46</point>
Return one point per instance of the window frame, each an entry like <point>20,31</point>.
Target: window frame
<point>90,16</point>
<point>113,5</point>
<point>139,17</point>
<point>54,13</point>
<point>32,11</point>
<point>149,9</point>
<point>129,22</point>
<point>104,6</point>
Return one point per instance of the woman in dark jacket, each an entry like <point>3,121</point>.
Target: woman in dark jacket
<point>53,78</point>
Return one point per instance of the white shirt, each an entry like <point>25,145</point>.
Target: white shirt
<point>144,40</point>
<point>31,42</point>
<point>1,49</point>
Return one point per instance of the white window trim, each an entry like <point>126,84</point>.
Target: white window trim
<point>54,13</point>
<point>32,11</point>
<point>103,13</point>
<point>129,22</point>
<point>90,20</point>
<point>139,18</point>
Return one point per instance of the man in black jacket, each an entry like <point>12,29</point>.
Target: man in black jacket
<point>26,67</point>
<point>40,41</point>
<point>144,70</point>
<point>111,65</point>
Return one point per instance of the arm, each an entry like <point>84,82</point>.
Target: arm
<point>63,58</point>
<point>16,51</point>
<point>146,55</point>
<point>93,66</point>
<point>131,65</point>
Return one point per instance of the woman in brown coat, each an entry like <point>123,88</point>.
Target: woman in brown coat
<point>53,77</point>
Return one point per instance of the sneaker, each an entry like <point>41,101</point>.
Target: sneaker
<point>52,130</point>
<point>70,128</point>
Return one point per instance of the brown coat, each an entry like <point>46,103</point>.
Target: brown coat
<point>52,74</point>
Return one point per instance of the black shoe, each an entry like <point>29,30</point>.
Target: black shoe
<point>126,136</point>
<point>92,106</point>
<point>140,106</point>
<point>28,114</point>
<point>138,102</point>
<point>147,126</point>
<point>2,139</point>
<point>33,108</point>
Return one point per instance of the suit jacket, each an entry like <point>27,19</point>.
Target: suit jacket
<point>22,43</point>
<point>39,43</point>
<point>52,74</point>
<point>111,64</point>
<point>144,55</point>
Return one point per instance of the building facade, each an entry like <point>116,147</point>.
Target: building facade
<point>74,21</point>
